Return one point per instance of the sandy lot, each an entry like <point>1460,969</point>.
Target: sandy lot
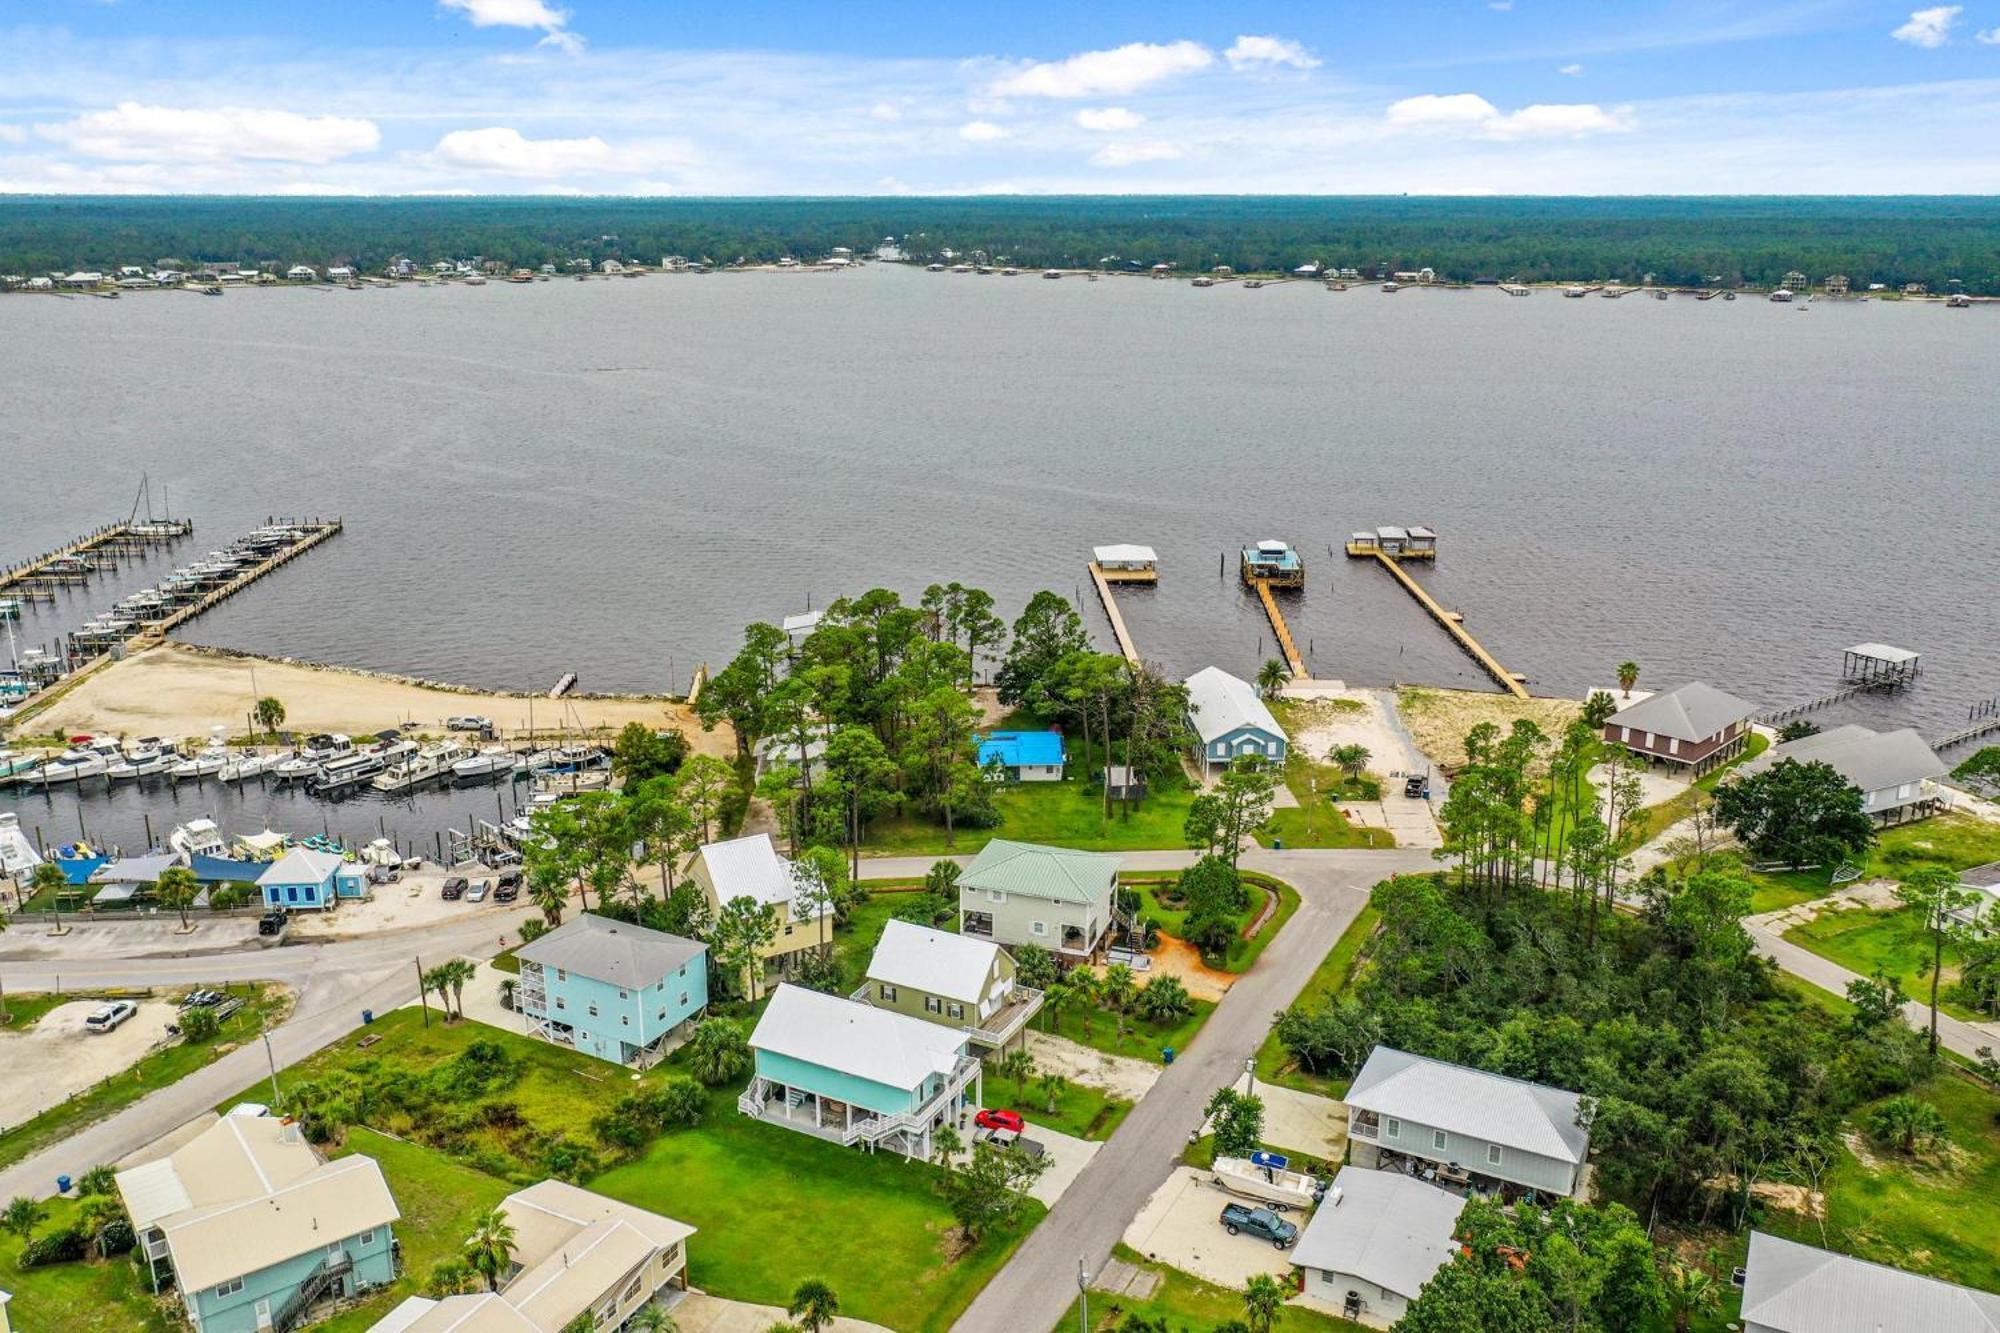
<point>1334,716</point>
<point>412,901</point>
<point>1178,1227</point>
<point>1304,1122</point>
<point>174,690</point>
<point>1119,1075</point>
<point>58,1056</point>
<point>1439,719</point>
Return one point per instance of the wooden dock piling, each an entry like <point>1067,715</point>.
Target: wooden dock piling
<point>1451,622</point>
<point>100,549</point>
<point>1293,661</point>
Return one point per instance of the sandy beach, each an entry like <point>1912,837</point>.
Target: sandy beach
<point>1439,718</point>
<point>178,691</point>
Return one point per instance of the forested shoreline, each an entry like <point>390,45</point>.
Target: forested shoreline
<point>1683,241</point>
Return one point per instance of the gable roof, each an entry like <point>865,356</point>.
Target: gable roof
<point>301,865</point>
<point>1691,712</point>
<point>1124,553</point>
<point>614,951</point>
<point>575,1247</point>
<point>1383,1227</point>
<point>1490,1107</point>
<point>483,1313</point>
<point>238,1157</point>
<point>1030,870</point>
<point>879,1045</point>
<point>1017,749</point>
<point>936,962</point>
<point>1871,760</point>
<point>750,867</point>
<point>1219,703</point>
<point>1795,1288</point>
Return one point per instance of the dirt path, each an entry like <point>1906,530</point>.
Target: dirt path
<point>1119,1075</point>
<point>58,1057</point>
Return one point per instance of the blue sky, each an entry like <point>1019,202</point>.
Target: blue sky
<point>617,96</point>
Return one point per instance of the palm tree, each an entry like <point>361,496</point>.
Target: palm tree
<point>1271,678</point>
<point>270,713</point>
<point>49,879</point>
<point>1351,758</point>
<point>1628,676</point>
<point>1263,1298</point>
<point>652,1318</point>
<point>814,1304</point>
<point>1115,990</point>
<point>177,888</point>
<point>438,981</point>
<point>1055,999</point>
<point>490,1247</point>
<point>1691,1290</point>
<point>1017,1067</point>
<point>1053,1086</point>
<point>550,898</point>
<point>457,972</point>
<point>22,1215</point>
<point>946,1143</point>
<point>1083,985</point>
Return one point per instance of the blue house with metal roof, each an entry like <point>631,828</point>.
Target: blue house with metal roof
<point>1024,756</point>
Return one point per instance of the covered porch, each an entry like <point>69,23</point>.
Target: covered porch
<point>850,1124</point>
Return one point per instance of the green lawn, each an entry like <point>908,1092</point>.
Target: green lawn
<point>1081,1111</point>
<point>105,1297</point>
<point>1955,842</point>
<point>1142,1040</point>
<point>1188,1305</point>
<point>1894,942</point>
<point>24,1011</point>
<point>1936,1221</point>
<point>1329,978</point>
<point>1066,814</point>
<point>266,1007</point>
<point>1314,822</point>
<point>1242,952</point>
<point>774,1206</point>
<point>438,1199</point>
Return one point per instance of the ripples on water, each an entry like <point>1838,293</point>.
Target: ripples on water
<point>613,477</point>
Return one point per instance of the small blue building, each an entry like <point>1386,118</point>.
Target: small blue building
<point>611,989</point>
<point>1231,721</point>
<point>1024,756</point>
<point>305,879</point>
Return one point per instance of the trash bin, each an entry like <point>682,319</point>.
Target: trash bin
<point>1166,1055</point>
<point>367,1016</point>
<point>1277,844</point>
<point>62,1184</point>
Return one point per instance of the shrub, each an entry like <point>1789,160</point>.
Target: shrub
<point>717,1051</point>
<point>533,929</point>
<point>56,1247</point>
<point>98,1180</point>
<point>566,1159</point>
<point>1035,967</point>
<point>115,1237</point>
<point>1163,1000</point>
<point>1908,1125</point>
<point>817,971</point>
<point>482,1067</point>
<point>199,1024</point>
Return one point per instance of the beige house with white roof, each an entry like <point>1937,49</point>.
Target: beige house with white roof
<point>961,983</point>
<point>573,1251</point>
<point>751,868</point>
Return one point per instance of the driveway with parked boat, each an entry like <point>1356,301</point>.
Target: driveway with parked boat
<point>1179,1226</point>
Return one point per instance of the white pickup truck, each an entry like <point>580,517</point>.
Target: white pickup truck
<point>1266,1178</point>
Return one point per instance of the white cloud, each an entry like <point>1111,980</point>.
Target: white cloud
<point>504,151</point>
<point>1129,154</point>
<point>1123,69</point>
<point>1249,52</point>
<point>554,23</point>
<point>1109,118</point>
<point>1929,28</point>
<point>132,130</point>
<point>13,134</point>
<point>1473,114</point>
<point>1990,37</point>
<point>1572,71</point>
<point>886,111</point>
<point>1500,6</point>
<point>983,131</point>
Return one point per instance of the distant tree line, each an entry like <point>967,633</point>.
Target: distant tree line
<point>1681,241</point>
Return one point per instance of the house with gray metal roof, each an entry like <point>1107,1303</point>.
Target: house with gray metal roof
<point>1793,1288</point>
<point>1017,893</point>
<point>1896,771</point>
<point>1465,1126</point>
<point>611,989</point>
<point>1374,1241</point>
<point>1694,726</point>
<point>1231,720</point>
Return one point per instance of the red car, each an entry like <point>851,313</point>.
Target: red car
<point>1006,1120</point>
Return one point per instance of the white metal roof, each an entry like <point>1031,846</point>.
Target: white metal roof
<point>1220,703</point>
<point>1126,554</point>
<point>750,867</point>
<point>936,962</point>
<point>301,865</point>
<point>1793,1288</point>
<point>879,1045</point>
<point>1383,1227</point>
<point>1492,1108</point>
<point>1883,652</point>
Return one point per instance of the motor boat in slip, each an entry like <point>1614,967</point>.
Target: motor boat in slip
<point>197,837</point>
<point>314,755</point>
<point>242,766</point>
<point>14,764</point>
<point>84,759</point>
<point>144,759</point>
<point>429,764</point>
<point>491,761</point>
<point>346,773</point>
<point>205,763</point>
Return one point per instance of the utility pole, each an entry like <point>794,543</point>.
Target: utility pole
<point>1082,1296</point>
<point>272,1060</point>
<point>423,994</point>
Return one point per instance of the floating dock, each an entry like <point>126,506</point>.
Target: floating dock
<point>1393,545</point>
<point>76,561</point>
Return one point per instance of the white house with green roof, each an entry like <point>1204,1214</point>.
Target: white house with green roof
<point>1017,893</point>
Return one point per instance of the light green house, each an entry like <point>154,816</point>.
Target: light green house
<point>1017,893</point>
<point>854,1074</point>
<point>956,982</point>
<point>254,1230</point>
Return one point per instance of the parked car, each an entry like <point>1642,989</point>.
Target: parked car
<point>508,887</point>
<point>1417,786</point>
<point>468,722</point>
<point>479,892</point>
<point>991,1118</point>
<point>111,1015</point>
<point>1238,1218</point>
<point>454,888</point>
<point>384,874</point>
<point>271,923</point>
<point>201,999</point>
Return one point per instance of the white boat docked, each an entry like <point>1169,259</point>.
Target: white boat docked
<point>89,759</point>
<point>14,764</point>
<point>144,760</point>
<point>316,753</point>
<point>346,772</point>
<point>204,764</point>
<point>429,764</point>
<point>490,761</point>
<point>244,766</point>
<point>197,837</point>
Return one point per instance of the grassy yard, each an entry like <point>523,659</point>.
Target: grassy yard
<point>103,1297</point>
<point>1188,1304</point>
<point>266,1007</point>
<point>438,1199</point>
<point>1329,978</point>
<point>1067,814</point>
<point>24,1011</point>
<point>1955,842</point>
<point>1142,1040</point>
<point>774,1206</point>
<point>1894,942</point>
<point>1081,1111</point>
<point>1315,822</point>
<point>1940,1221</point>
<point>1155,893</point>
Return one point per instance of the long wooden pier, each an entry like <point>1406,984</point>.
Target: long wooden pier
<point>317,530</point>
<point>98,550</point>
<point>1118,630</point>
<point>1293,661</point>
<point>1508,680</point>
<point>1968,733</point>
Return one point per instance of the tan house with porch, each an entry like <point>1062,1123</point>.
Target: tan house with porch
<point>964,984</point>
<point>751,868</point>
<point>1017,893</point>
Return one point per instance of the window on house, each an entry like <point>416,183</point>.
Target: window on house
<point>230,1288</point>
<point>995,896</point>
<point>1038,927</point>
<point>1395,1127</point>
<point>663,1016</point>
<point>684,1000</point>
<point>955,1010</point>
<point>621,995</point>
<point>333,1250</point>
<point>561,975</point>
<point>788,927</point>
<point>887,992</point>
<point>1673,745</point>
<point>1492,1154</point>
<point>1624,733</point>
<point>1437,1139</point>
<point>365,1238</point>
<point>631,1292</point>
<point>624,1020</point>
<point>561,1003</point>
<point>932,1005</point>
<point>593,1008</point>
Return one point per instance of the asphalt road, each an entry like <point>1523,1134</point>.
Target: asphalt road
<point>334,981</point>
<point>1038,1284</point>
<point>1955,1035</point>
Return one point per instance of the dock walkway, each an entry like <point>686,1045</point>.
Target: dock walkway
<point>1507,680</point>
<point>1293,661</point>
<point>317,530</point>
<point>1118,630</point>
<point>100,550</point>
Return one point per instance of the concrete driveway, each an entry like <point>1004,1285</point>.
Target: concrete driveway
<point>696,1311</point>
<point>1178,1227</point>
<point>1304,1122</point>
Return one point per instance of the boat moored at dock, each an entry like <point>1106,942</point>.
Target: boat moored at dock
<point>1273,562</point>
